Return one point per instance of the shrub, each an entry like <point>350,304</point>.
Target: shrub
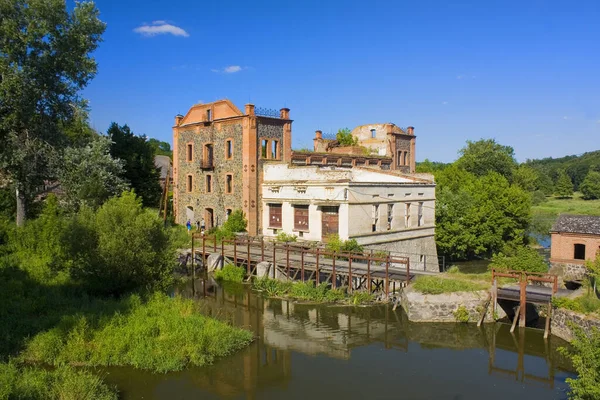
<point>336,245</point>
<point>345,138</point>
<point>520,258</point>
<point>285,238</point>
<point>438,285</point>
<point>584,353</point>
<point>585,304</point>
<point>230,273</point>
<point>461,314</point>
<point>538,197</point>
<point>62,383</point>
<point>590,188</point>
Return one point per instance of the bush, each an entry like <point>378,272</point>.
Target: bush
<point>590,188</point>
<point>538,197</point>
<point>62,383</point>
<point>336,245</point>
<point>584,353</point>
<point>438,285</point>
<point>285,238</point>
<point>585,304</point>
<point>345,138</point>
<point>520,258</point>
<point>230,273</point>
<point>307,291</point>
<point>461,314</point>
<point>161,334</point>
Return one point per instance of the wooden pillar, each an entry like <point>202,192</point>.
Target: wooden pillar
<point>317,269</point>
<point>523,300</point>
<point>333,279</point>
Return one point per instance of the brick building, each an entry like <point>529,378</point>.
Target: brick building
<point>218,160</point>
<point>575,239</point>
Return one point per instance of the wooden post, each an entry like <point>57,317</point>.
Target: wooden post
<point>235,262</point>
<point>302,264</point>
<point>194,269</point>
<point>287,259</point>
<point>517,313</point>
<point>317,269</point>
<point>548,316</point>
<point>333,283</point>
<point>350,273</point>
<point>262,248</point>
<point>523,300</point>
<point>223,250</point>
<point>274,264</point>
<point>248,259</point>
<point>494,295</point>
<point>369,272</point>
<point>387,276</point>
<point>215,243</point>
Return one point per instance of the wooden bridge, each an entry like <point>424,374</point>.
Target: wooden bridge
<point>532,287</point>
<point>380,272</point>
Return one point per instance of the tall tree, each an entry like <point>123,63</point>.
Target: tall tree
<point>564,186</point>
<point>486,155</point>
<point>44,62</point>
<point>161,148</point>
<point>590,188</point>
<point>138,155</point>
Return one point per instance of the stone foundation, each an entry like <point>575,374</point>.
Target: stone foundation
<point>421,307</point>
<point>568,271</point>
<point>561,319</point>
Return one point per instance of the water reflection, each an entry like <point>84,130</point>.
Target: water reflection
<point>310,351</point>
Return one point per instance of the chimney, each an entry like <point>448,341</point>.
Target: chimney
<point>178,119</point>
<point>285,113</point>
<point>389,128</point>
<point>249,109</point>
<point>410,130</point>
<point>318,135</point>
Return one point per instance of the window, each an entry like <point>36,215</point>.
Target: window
<point>190,152</point>
<point>227,213</point>
<point>375,217</point>
<point>208,183</point>
<point>373,133</point>
<point>399,158</point>
<point>390,216</point>
<point>420,214</point>
<point>208,156</point>
<point>229,149</point>
<point>274,150</point>
<point>264,147</point>
<point>579,252</point>
<point>405,158</point>
<point>407,215</point>
<point>301,218</point>
<point>229,183</point>
<point>208,115</point>
<point>189,184</point>
<point>275,215</point>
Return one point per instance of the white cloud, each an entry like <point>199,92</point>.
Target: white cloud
<point>565,117</point>
<point>160,28</point>
<point>444,102</point>
<point>230,69</point>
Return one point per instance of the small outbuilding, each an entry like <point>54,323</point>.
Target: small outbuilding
<point>575,239</point>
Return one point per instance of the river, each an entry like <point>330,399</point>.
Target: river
<point>311,352</point>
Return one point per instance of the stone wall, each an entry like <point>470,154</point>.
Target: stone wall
<point>421,307</point>
<point>568,271</point>
<point>198,198</point>
<point>561,319</point>
<point>422,252</point>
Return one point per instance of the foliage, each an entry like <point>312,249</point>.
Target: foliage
<point>564,186</point>
<point>345,138</point>
<point>140,171</point>
<point>44,62</point>
<point>162,334</point>
<point>476,216</point>
<point>519,258</point>
<point>577,167</point>
<point>18,382</point>
<point>485,156</point>
<point>461,314</point>
<point>89,175</point>
<point>526,178</point>
<point>584,353</point>
<point>230,273</point>
<point>285,238</point>
<point>307,291</point>
<point>587,304</point>
<point>593,270</point>
<point>337,245</point>
<point>236,222</point>
<point>160,148</point>
<point>538,197</point>
<point>590,188</point>
<point>437,285</point>
<point>428,166</point>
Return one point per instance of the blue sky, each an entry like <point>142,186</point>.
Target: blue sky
<point>526,73</point>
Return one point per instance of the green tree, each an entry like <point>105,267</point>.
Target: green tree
<point>345,138</point>
<point>486,155</point>
<point>161,148</point>
<point>584,353</point>
<point>590,188</point>
<point>526,178</point>
<point>44,63</point>
<point>564,186</point>
<point>89,175</point>
<point>519,258</point>
<point>138,155</point>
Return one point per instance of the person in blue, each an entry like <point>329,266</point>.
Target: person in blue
<point>188,224</point>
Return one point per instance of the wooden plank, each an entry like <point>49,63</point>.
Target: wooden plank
<point>517,314</point>
<point>548,316</point>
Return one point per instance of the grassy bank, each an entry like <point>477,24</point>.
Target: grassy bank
<point>586,304</point>
<point>449,283</point>
<point>573,205</point>
<point>307,291</point>
<point>65,383</point>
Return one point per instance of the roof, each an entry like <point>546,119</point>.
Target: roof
<point>587,224</point>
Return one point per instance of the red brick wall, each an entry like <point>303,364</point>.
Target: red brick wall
<point>563,246</point>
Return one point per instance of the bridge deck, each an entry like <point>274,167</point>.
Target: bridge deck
<point>535,294</point>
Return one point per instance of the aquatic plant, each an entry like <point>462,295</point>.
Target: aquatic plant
<point>230,273</point>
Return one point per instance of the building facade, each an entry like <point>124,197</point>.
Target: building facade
<point>218,160</point>
<point>381,210</point>
<point>575,240</point>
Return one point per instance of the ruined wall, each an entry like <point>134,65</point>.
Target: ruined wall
<point>198,198</point>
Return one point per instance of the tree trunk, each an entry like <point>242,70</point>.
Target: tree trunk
<point>21,208</point>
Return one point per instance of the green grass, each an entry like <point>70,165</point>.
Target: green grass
<point>230,273</point>
<point>587,304</point>
<point>307,291</point>
<point>447,284</point>
<point>162,334</point>
<point>574,205</point>
<point>65,383</point>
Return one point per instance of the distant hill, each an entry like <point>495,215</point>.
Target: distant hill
<point>576,166</point>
